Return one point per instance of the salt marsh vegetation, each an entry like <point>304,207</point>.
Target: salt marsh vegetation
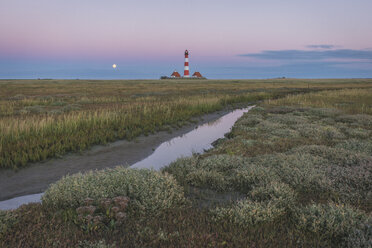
<point>299,168</point>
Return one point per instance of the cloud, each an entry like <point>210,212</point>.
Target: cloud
<point>310,69</point>
<point>321,46</point>
<point>312,55</point>
<point>312,63</point>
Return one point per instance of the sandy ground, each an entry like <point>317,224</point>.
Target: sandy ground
<point>38,176</point>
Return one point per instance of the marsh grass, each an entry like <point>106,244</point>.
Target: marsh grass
<point>49,118</point>
<point>320,156</point>
<point>285,176</point>
<point>351,101</point>
<point>41,136</point>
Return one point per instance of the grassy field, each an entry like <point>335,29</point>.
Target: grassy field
<point>41,119</point>
<point>296,171</point>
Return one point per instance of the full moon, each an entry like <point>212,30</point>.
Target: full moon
<point>114,66</point>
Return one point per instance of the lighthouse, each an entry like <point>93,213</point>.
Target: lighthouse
<point>187,71</point>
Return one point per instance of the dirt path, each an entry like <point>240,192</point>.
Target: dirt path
<point>37,177</point>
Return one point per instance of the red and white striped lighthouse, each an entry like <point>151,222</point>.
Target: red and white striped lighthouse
<point>187,71</point>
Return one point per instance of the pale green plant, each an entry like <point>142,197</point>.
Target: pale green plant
<point>220,172</point>
<point>355,145</point>
<point>263,204</point>
<point>328,220</point>
<point>150,192</point>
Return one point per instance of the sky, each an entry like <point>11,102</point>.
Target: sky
<point>147,38</point>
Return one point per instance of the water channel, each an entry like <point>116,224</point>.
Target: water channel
<point>195,141</point>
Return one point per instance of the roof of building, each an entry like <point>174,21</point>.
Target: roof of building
<point>197,74</point>
<point>175,74</point>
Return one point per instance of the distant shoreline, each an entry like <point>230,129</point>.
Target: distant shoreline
<point>174,79</point>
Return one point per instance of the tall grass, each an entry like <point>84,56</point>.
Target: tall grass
<point>35,137</point>
<point>351,101</point>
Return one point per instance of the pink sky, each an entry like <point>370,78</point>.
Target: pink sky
<point>147,30</point>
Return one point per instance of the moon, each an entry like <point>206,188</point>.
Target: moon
<point>114,66</point>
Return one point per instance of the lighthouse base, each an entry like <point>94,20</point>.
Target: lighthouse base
<point>183,78</point>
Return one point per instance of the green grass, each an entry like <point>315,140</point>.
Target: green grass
<point>293,172</point>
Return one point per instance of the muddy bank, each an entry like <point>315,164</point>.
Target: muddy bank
<point>37,177</point>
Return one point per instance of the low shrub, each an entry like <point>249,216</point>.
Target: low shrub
<point>360,237</point>
<point>264,204</point>
<point>331,133</point>
<point>330,221</point>
<point>18,97</point>
<point>323,112</point>
<point>288,119</point>
<point>214,172</point>
<point>55,112</point>
<point>349,174</point>
<point>358,133</point>
<point>71,107</point>
<point>279,192</point>
<point>250,120</point>
<point>109,213</point>
<point>220,172</point>
<point>355,145</point>
<point>35,109</point>
<point>208,179</point>
<point>258,109</point>
<point>280,110</point>
<point>58,103</point>
<point>285,133</point>
<point>309,130</point>
<point>99,244</point>
<point>221,163</point>
<point>301,171</point>
<point>247,213</point>
<point>352,184</point>
<point>252,175</point>
<point>335,156</point>
<point>180,168</point>
<point>356,120</point>
<point>7,220</point>
<point>149,191</point>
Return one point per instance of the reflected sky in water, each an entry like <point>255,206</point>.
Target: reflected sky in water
<point>195,141</point>
<point>18,201</point>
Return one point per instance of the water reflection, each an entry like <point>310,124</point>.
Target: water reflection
<point>195,141</point>
<point>18,201</point>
